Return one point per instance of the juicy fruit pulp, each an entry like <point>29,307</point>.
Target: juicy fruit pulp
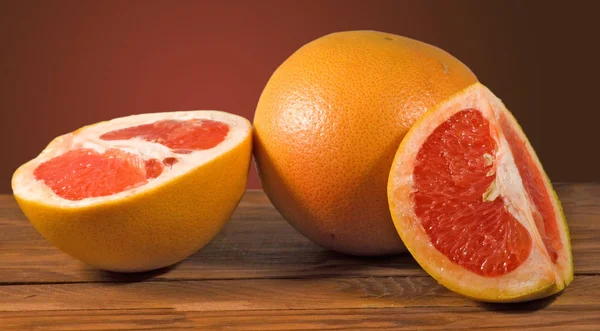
<point>181,136</point>
<point>453,171</point>
<point>473,205</point>
<point>533,181</point>
<point>454,180</point>
<point>85,173</point>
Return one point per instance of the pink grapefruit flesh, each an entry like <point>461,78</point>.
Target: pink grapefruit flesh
<point>114,171</point>
<point>450,177</point>
<point>533,180</point>
<point>183,136</point>
<point>473,205</point>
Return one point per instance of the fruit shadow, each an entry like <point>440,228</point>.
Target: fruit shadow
<point>519,308</point>
<point>314,260</point>
<point>335,264</point>
<point>131,277</point>
<point>307,260</point>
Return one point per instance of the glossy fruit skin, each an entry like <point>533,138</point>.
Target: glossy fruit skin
<point>154,228</point>
<point>328,124</point>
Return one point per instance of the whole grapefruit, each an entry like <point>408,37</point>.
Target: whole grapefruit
<point>327,127</point>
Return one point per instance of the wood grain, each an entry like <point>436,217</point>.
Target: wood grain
<point>259,243</point>
<point>260,274</point>
<point>104,319</point>
<point>256,243</point>
<point>431,318</point>
<point>261,294</point>
<point>421,318</point>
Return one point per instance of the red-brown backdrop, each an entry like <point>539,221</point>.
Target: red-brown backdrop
<point>65,64</point>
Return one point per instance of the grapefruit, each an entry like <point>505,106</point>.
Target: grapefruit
<point>328,124</point>
<point>139,192</point>
<point>473,204</point>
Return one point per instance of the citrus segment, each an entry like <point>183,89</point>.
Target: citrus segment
<point>451,176</point>
<point>69,175</point>
<point>154,168</point>
<point>114,171</point>
<point>193,134</point>
<point>473,205</point>
<point>533,180</point>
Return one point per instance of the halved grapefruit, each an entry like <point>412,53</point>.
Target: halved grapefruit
<point>473,205</point>
<point>139,192</point>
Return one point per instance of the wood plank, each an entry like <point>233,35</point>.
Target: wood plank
<point>258,243</point>
<point>107,319</point>
<point>430,318</point>
<point>581,204</point>
<point>263,294</point>
<point>417,318</point>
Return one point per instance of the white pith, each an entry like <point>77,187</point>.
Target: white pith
<point>537,271</point>
<point>26,186</point>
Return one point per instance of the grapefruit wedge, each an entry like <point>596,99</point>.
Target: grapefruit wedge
<point>139,192</point>
<point>474,206</point>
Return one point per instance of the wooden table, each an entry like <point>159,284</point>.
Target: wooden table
<point>260,274</point>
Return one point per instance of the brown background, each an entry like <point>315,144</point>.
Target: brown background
<point>64,64</point>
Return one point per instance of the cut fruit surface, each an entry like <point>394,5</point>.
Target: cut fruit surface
<point>455,202</point>
<point>138,192</point>
<point>69,175</point>
<point>114,171</point>
<point>473,205</point>
<point>189,135</point>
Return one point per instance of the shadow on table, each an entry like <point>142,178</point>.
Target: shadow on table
<point>116,277</point>
<point>304,261</point>
<point>521,307</point>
